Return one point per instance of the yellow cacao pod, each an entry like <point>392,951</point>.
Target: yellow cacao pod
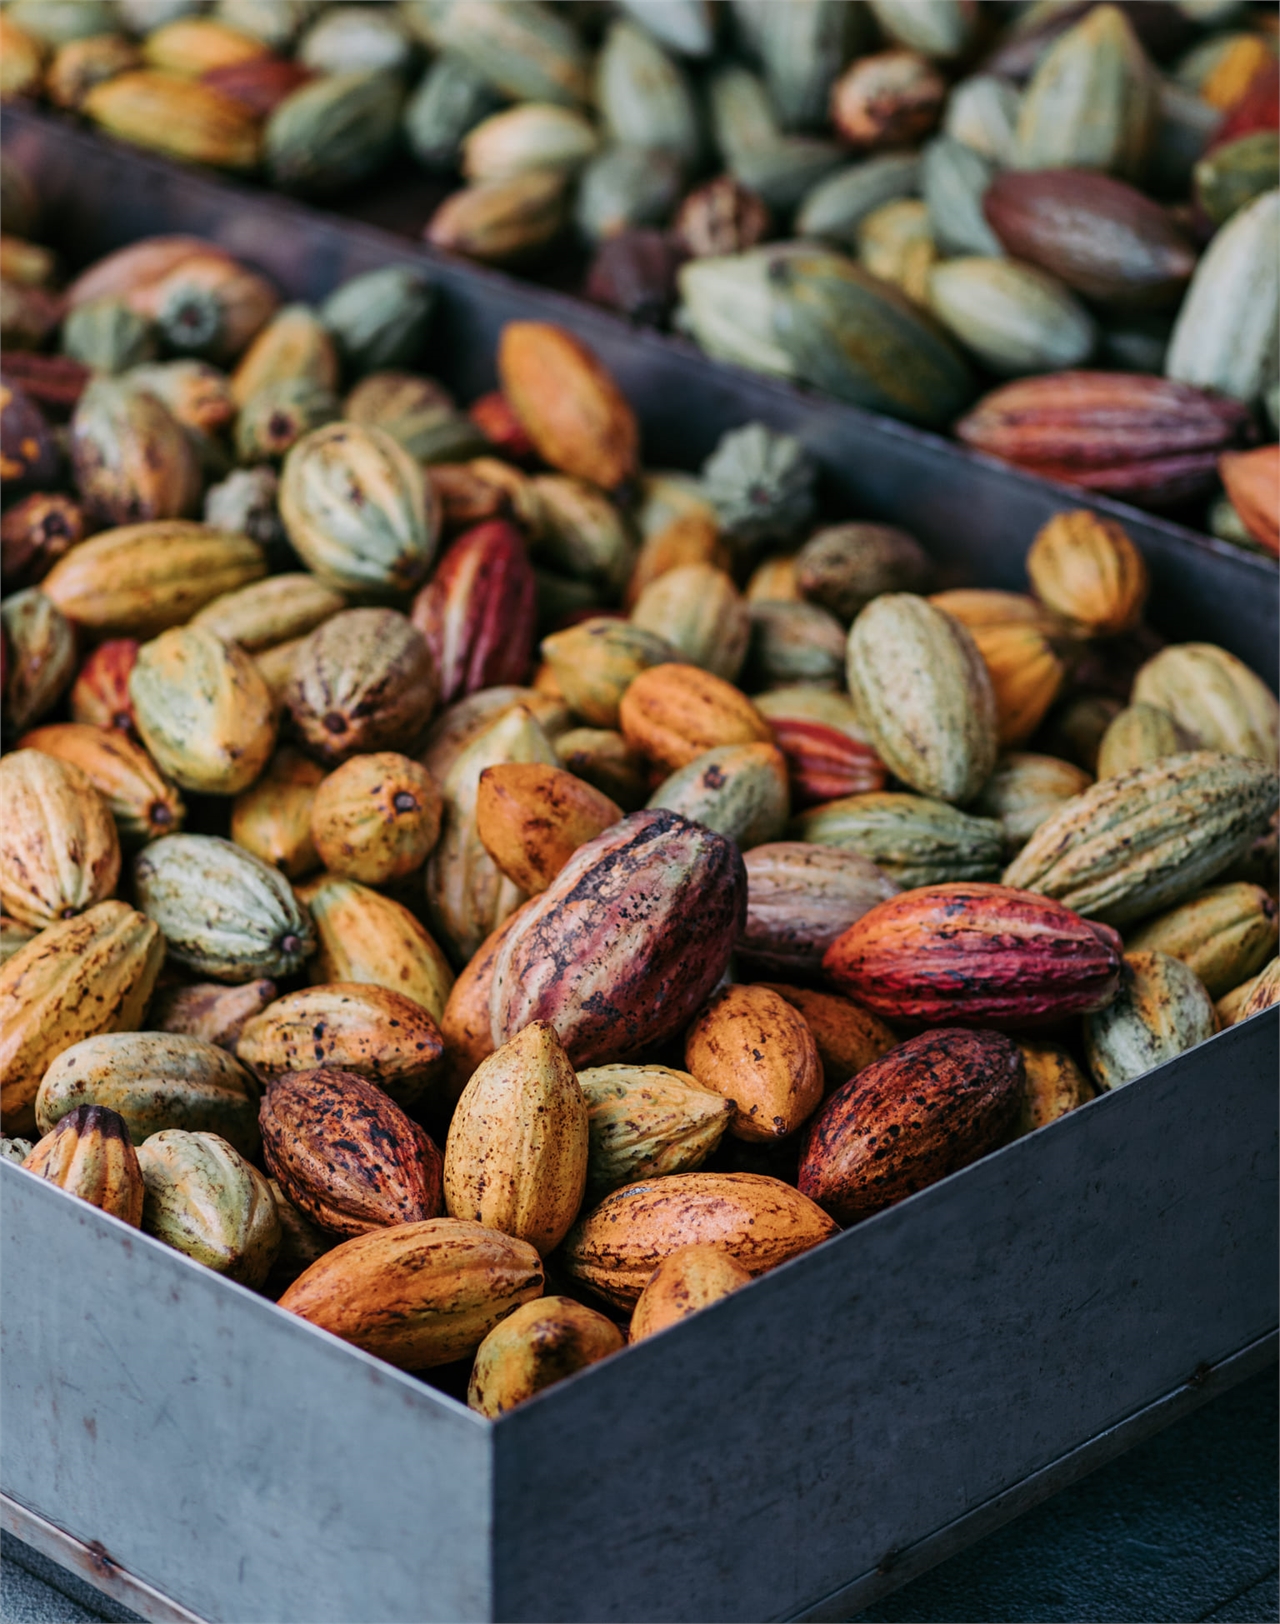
<point>537,1346</point>
<point>59,851</point>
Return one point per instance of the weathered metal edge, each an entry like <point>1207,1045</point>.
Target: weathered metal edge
<point>92,1564</point>
<point>1201,1385</point>
<point>579,313</point>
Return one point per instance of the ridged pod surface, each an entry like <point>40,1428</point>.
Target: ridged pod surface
<point>382,1036</point>
<point>739,790</point>
<point>272,818</point>
<point>154,1080</point>
<point>516,1156</point>
<point>466,1025</point>
<point>224,912</point>
<point>86,975</point>
<point>140,799</point>
<point>976,955</point>
<point>269,612</point>
<point>1163,1010</point>
<point>759,1221</point>
<point>1225,934</point>
<point>418,1295</point>
<point>1055,1085</point>
<point>699,610</point>
<point>1140,736</point>
<point>477,611</point>
<point>345,1154</point>
<point>672,713</point>
<point>203,710</point>
<point>686,1281</point>
<point>627,941</point>
<point>1025,789</point>
<point>644,1121</point>
<point>59,851</point>
<point>1215,698</point>
<point>365,937</point>
<point>1140,842</point>
<point>204,1199</point>
<point>140,579</point>
<point>468,895</point>
<point>597,660</point>
<point>538,1345</point>
<point>40,650</point>
<point>800,897</point>
<point>364,680</point>
<point>928,1108</point>
<point>1086,568</point>
<point>89,1154</point>
<point>912,839</point>
<point>923,692</point>
<point>358,509</point>
<point>1264,991</point>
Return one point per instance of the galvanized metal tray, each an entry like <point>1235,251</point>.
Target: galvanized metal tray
<point>801,1447</point>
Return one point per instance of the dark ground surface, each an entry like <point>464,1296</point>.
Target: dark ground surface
<point>1182,1528</point>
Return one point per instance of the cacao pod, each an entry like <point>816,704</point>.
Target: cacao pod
<point>89,1154</point>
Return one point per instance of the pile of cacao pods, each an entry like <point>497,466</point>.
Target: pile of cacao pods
<point>897,201</point>
<point>496,898</point>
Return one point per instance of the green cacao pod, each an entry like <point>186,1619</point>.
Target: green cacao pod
<point>922,689</point>
<point>1215,698</point>
<point>224,913</point>
<point>1162,1010</point>
<point>154,1080</point>
<point>915,841</point>
<point>1138,737</point>
<point>1134,845</point>
<point>333,132</point>
<point>204,1199</point>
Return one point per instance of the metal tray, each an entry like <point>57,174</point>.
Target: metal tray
<point>801,1447</point>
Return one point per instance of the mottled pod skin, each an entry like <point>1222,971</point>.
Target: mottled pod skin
<point>141,801</point>
<point>1264,991</point>
<point>627,942</point>
<point>204,1199</point>
<point>206,1010</point>
<point>94,973</point>
<point>1215,697</point>
<point>1055,1085</point>
<point>739,790</point>
<point>596,661</point>
<point>382,1036</point>
<point>683,1283</point>
<point>672,713</point>
<point>89,1154</point>
<point>477,611</point>
<point>465,1023</point>
<point>366,937</point>
<point>978,955</point>
<point>531,818</point>
<point>272,818</point>
<point>100,694</point>
<point>1225,934</point>
<point>418,1295</point>
<point>848,1037</point>
<point>644,1121</point>
<point>59,851</point>
<point>345,1154</point>
<point>537,1346</point>
<point>376,817</point>
<point>1163,1010</point>
<point>154,1080</point>
<point>928,1108</point>
<point>750,1045</point>
<point>801,897</point>
<point>516,1156</point>
<point>1086,568</point>
<point>760,1221</point>
<point>923,691</point>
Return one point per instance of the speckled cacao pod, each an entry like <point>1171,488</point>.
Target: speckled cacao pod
<point>154,1080</point>
<point>1225,934</point>
<point>382,1036</point>
<point>596,661</point>
<point>665,900</point>
<point>204,1199</point>
<point>100,694</point>
<point>206,1010</point>
<point>365,937</point>
<point>754,1048</point>
<point>272,818</point>
<point>760,1221</point>
<point>376,817</point>
<point>59,851</point>
<point>131,458</point>
<point>142,802</point>
<point>224,913</point>
<point>672,713</point>
<point>682,1284</point>
<point>923,692</point>
<point>1024,790</point>
<point>1162,1010</point>
<point>41,649</point>
<point>973,954</point>
<point>926,1109</point>
<point>89,1154</point>
<point>739,790</point>
<point>345,1154</point>
<point>531,818</point>
<point>91,974</point>
<point>419,1294</point>
<point>1055,1085</point>
<point>364,680</point>
<point>914,840</point>
<point>535,1347</point>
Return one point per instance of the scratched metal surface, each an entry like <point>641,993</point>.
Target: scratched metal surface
<point>971,512</point>
<point>786,1443</point>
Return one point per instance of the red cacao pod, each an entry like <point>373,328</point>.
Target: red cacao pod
<point>977,955</point>
<point>477,611</point>
<point>926,1109</point>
